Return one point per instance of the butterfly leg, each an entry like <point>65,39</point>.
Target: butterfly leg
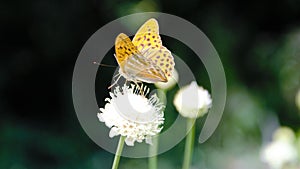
<point>115,82</point>
<point>140,88</point>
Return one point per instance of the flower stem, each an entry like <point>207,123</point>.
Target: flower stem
<point>152,162</point>
<point>118,152</point>
<point>189,144</point>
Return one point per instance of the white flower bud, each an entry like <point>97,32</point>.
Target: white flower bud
<point>192,101</point>
<point>282,150</point>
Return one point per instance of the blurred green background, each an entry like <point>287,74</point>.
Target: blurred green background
<point>258,43</point>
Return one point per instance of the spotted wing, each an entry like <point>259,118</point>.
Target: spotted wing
<point>134,66</point>
<point>124,48</point>
<point>148,43</point>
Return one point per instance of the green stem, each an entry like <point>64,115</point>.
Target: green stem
<point>152,160</point>
<point>152,154</point>
<point>189,144</point>
<point>118,152</point>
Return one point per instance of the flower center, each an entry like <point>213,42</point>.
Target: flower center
<point>139,103</point>
<point>135,108</point>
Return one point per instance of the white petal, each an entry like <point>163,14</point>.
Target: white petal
<point>129,141</point>
<point>100,117</point>
<point>109,123</point>
<point>113,132</point>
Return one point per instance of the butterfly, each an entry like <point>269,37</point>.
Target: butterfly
<point>144,59</point>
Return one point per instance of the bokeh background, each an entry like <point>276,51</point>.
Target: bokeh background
<point>258,43</point>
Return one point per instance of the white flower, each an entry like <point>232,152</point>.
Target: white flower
<point>171,81</point>
<point>192,101</point>
<point>130,114</point>
<point>282,150</point>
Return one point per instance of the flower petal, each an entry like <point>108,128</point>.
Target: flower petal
<point>138,120</point>
<point>129,141</point>
<point>113,132</point>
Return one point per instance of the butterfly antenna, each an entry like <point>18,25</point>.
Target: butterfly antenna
<point>105,65</point>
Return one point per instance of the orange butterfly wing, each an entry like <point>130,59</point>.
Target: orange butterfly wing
<point>124,48</point>
<point>133,65</point>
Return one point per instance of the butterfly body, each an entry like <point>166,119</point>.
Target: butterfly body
<point>144,59</point>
